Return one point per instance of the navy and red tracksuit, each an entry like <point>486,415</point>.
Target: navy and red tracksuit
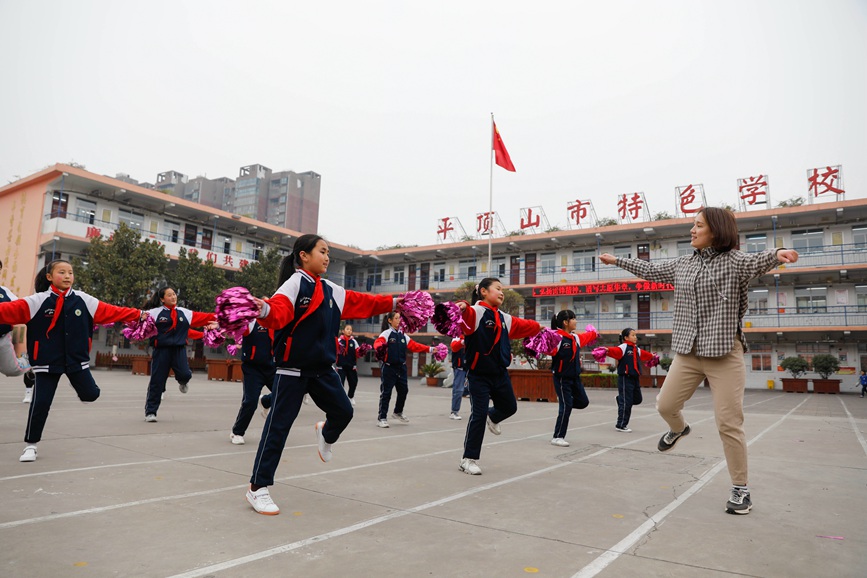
<point>628,389</point>
<point>487,332</point>
<point>459,363</point>
<point>305,315</point>
<point>346,355</point>
<point>257,365</point>
<point>393,375</point>
<point>566,367</point>
<point>170,349</point>
<point>59,336</point>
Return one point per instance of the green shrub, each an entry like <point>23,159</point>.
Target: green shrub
<point>797,366</point>
<point>825,364</point>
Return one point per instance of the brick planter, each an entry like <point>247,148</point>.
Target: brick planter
<point>533,384</point>
<point>218,369</point>
<point>826,386</point>
<point>794,385</point>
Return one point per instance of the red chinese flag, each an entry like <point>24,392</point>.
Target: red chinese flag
<point>502,155</point>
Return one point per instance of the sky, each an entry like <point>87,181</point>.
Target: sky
<point>391,101</point>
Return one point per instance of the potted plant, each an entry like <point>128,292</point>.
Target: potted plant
<point>825,364</point>
<point>430,370</point>
<point>797,366</point>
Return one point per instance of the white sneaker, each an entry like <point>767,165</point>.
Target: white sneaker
<point>29,454</point>
<point>151,417</point>
<point>453,415</point>
<point>262,502</point>
<point>470,467</point>
<point>324,447</point>
<point>494,428</point>
<point>382,423</point>
<point>28,394</point>
<point>306,399</point>
<point>236,440</point>
<point>162,396</point>
<point>183,387</point>
<point>352,401</point>
<point>264,410</point>
<point>400,417</point>
<point>560,442</point>
<point>622,429</point>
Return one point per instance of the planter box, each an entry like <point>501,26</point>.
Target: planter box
<point>141,365</point>
<point>434,381</point>
<point>376,371</point>
<point>235,371</point>
<point>603,381</point>
<point>794,385</point>
<point>826,386</point>
<point>660,379</point>
<point>218,369</point>
<point>646,381</point>
<point>533,384</point>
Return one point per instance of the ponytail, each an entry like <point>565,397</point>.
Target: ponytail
<point>41,283</point>
<point>156,299</point>
<point>559,320</point>
<point>386,320</point>
<point>624,334</point>
<point>483,284</point>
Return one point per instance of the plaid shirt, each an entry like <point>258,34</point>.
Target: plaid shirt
<point>710,295</point>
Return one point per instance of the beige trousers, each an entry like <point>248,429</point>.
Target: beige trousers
<point>727,377</point>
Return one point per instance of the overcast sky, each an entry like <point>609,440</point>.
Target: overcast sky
<point>390,101</point>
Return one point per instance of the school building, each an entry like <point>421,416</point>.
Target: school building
<point>817,305</point>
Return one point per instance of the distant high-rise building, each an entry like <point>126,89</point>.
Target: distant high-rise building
<point>171,181</point>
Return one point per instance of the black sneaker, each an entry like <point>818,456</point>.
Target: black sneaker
<point>739,502</point>
<point>668,441</point>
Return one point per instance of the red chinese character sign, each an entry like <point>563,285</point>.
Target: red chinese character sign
<point>450,230</point>
<point>489,223</point>
<point>753,192</point>
<point>580,214</point>
<point>689,200</point>
<point>631,208</point>
<point>826,183</point>
<point>534,220</point>
<point>602,288</point>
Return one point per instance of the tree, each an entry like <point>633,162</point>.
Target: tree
<point>793,202</point>
<point>121,270</point>
<point>260,277</point>
<point>825,364</point>
<point>662,216</point>
<point>606,222</point>
<point>196,282</point>
<point>797,366</point>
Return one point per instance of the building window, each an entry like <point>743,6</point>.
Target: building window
<point>59,204</point>
<point>546,308</point>
<point>258,250</point>
<point>547,263</point>
<point>398,275</point>
<point>809,350</point>
<point>761,354</point>
<point>585,307</point>
<point>811,299</point>
<point>807,241</point>
<point>132,219</point>
<point>498,268</point>
<point>623,252</point>
<point>684,248</point>
<point>227,245</point>
<point>439,272</point>
<point>859,237</point>
<point>757,300</point>
<point>584,260</point>
<point>861,297</point>
<point>757,243</point>
<point>86,211</point>
<point>622,306</point>
<point>174,230</point>
<point>374,278</point>
<point>467,269</point>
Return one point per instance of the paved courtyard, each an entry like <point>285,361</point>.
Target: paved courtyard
<point>111,495</point>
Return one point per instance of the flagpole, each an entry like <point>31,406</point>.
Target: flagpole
<point>491,195</point>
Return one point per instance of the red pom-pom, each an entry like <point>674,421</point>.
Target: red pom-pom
<point>380,352</point>
<point>653,361</point>
<point>543,342</point>
<point>415,310</point>
<point>440,352</point>
<point>599,354</point>
<point>447,319</point>
<point>362,350</point>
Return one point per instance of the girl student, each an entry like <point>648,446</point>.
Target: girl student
<point>13,348</point>
<point>305,315</point>
<point>487,332</point>
<point>347,347</point>
<point>170,345</point>
<point>59,331</point>
<point>566,366</point>
<point>257,365</point>
<point>394,344</point>
<point>459,363</point>
<point>627,354</point>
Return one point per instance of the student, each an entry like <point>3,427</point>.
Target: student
<point>566,367</point>
<point>170,345</point>
<point>710,299</point>
<point>347,349</point>
<point>13,349</point>
<point>627,354</point>
<point>60,328</point>
<point>257,365</point>
<point>305,315</point>
<point>487,332</point>
<point>863,382</point>
<point>459,363</point>
<point>394,344</point>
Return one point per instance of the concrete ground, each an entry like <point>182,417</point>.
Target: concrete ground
<point>111,495</point>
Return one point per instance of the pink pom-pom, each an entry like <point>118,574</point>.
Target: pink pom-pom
<point>415,310</point>
<point>447,319</point>
<point>140,330</point>
<point>114,357</point>
<point>234,348</point>
<point>653,362</point>
<point>214,337</point>
<point>588,329</point>
<point>599,354</point>
<point>380,352</point>
<point>543,342</point>
<point>362,350</point>
<point>235,309</point>
<point>440,352</point>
